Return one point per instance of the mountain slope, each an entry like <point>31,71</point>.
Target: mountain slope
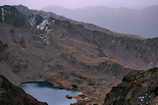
<point>46,48</point>
<point>69,54</point>
<point>109,42</point>
<point>142,22</point>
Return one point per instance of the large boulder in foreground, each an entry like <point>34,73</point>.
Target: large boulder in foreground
<point>137,88</point>
<point>12,95</point>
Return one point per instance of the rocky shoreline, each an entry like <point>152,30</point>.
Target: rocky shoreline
<point>81,99</point>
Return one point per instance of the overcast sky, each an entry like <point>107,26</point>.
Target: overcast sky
<point>38,4</point>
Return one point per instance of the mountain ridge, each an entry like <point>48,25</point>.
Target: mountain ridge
<point>69,53</point>
<point>134,21</point>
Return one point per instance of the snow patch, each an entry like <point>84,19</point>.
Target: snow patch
<point>113,41</point>
<point>43,25</point>
<point>3,14</point>
<point>43,29</point>
<point>32,21</point>
<point>53,21</point>
<point>144,100</point>
<point>45,38</point>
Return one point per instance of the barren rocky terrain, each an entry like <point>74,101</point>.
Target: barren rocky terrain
<point>37,45</point>
<point>137,88</point>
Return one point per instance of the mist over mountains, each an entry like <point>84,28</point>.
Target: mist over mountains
<point>135,21</point>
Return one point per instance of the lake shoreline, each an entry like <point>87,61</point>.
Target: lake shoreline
<point>51,85</point>
<point>46,92</point>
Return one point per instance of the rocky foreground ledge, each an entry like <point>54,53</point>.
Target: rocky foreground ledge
<point>137,88</point>
<point>12,95</point>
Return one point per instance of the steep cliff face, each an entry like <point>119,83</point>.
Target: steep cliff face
<point>10,15</point>
<point>12,95</point>
<point>137,88</point>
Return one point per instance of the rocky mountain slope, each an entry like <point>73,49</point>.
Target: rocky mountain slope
<point>134,21</point>
<point>125,48</point>
<point>12,95</point>
<point>137,88</point>
<point>37,45</point>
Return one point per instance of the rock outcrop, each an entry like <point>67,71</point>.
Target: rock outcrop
<point>137,88</point>
<point>13,95</point>
<point>10,15</point>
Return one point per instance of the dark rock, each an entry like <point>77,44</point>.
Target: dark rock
<point>12,95</point>
<point>10,15</point>
<point>68,97</point>
<point>3,47</point>
<point>74,86</point>
<point>137,88</point>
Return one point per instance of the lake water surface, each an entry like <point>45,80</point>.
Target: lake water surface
<point>44,91</point>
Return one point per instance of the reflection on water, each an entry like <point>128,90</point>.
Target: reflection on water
<point>43,91</point>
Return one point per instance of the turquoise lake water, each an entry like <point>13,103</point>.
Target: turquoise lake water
<point>45,92</point>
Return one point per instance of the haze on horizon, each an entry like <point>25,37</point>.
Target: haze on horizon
<point>72,4</point>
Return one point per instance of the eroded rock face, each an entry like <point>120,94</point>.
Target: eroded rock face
<point>137,88</point>
<point>10,15</point>
<point>12,95</point>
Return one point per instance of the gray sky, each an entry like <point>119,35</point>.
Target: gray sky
<point>38,4</point>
